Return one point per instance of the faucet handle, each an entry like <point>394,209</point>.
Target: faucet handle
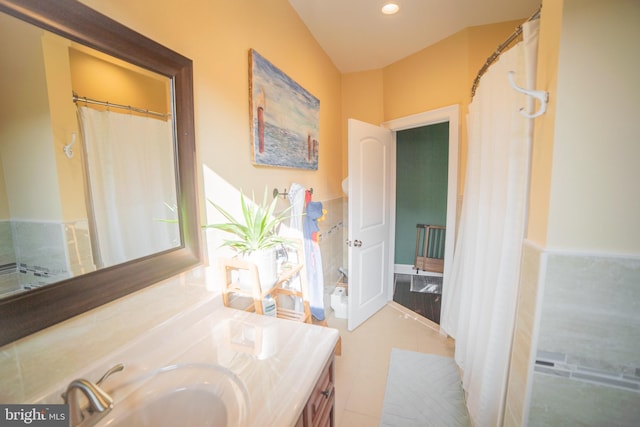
<point>119,367</point>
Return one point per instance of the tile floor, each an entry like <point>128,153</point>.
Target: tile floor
<point>361,370</point>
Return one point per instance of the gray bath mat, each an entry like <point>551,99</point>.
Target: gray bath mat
<point>423,390</point>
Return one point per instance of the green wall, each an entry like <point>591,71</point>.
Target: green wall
<point>421,184</point>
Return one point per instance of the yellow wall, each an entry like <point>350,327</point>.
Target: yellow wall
<point>584,170</point>
<point>26,148</point>
<point>432,78</point>
<point>594,203</point>
<point>41,184</point>
<point>70,176</point>
<point>110,80</point>
<point>362,99</point>
<point>437,76</point>
<point>217,36</point>
<point>544,126</point>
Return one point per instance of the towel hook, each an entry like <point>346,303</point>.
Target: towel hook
<point>277,193</point>
<point>540,95</point>
<point>284,193</point>
<point>67,148</point>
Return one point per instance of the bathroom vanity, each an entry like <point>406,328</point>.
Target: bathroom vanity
<point>245,369</point>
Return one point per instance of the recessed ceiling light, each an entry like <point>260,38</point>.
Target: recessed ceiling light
<point>390,8</point>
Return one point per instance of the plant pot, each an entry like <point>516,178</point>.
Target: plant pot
<point>265,260</point>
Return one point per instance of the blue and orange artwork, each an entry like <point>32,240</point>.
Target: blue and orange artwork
<point>284,118</point>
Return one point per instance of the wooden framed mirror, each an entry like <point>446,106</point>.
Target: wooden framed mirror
<point>27,312</point>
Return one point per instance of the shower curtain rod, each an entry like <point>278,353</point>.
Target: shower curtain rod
<point>499,50</point>
<point>86,100</point>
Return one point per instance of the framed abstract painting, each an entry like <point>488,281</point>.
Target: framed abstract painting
<point>285,118</point>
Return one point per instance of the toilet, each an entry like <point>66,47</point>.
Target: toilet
<point>339,302</point>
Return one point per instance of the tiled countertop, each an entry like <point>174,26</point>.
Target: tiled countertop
<point>180,320</point>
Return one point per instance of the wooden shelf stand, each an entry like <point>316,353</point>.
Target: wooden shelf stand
<point>254,292</point>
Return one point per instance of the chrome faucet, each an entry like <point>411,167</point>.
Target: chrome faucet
<point>99,401</point>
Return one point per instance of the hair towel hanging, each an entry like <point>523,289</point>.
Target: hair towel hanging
<point>315,277</point>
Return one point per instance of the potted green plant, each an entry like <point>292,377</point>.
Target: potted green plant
<point>255,237</point>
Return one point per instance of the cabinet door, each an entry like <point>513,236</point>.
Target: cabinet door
<point>319,409</point>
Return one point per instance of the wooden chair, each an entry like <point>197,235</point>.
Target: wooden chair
<point>431,239</point>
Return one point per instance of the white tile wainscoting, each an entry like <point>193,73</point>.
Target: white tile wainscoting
<point>576,356</point>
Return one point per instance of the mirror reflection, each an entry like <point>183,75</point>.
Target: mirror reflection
<point>84,184</point>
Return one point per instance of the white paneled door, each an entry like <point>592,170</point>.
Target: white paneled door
<point>370,154</point>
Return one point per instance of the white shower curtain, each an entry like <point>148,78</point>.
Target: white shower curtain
<point>479,303</point>
<point>131,172</point>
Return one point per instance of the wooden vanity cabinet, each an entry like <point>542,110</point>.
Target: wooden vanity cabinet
<point>319,410</point>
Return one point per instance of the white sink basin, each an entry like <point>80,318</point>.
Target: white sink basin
<point>198,395</point>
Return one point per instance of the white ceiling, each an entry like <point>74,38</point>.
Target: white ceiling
<point>358,37</point>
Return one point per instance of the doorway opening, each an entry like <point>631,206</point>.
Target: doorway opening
<point>372,208</point>
<point>421,199</point>
<point>425,185</point>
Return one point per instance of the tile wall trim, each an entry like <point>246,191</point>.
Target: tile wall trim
<point>535,332</point>
<point>580,252</point>
<point>557,366</point>
<point>552,364</point>
<point>8,268</point>
<point>333,229</point>
<point>566,366</point>
<point>593,254</point>
<point>38,221</point>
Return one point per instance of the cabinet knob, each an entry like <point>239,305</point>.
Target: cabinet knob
<point>325,393</point>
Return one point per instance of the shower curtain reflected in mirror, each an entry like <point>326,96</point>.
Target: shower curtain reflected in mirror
<point>132,186</point>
